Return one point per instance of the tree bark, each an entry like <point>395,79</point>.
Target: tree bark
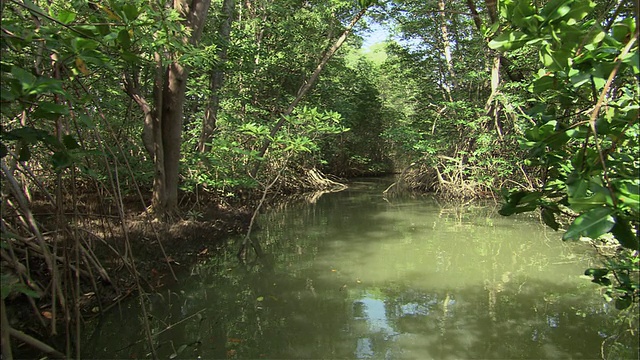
<point>504,62</point>
<point>173,98</point>
<point>159,188</point>
<point>450,82</point>
<point>495,78</point>
<point>162,134</point>
<point>307,85</point>
<point>492,9</point>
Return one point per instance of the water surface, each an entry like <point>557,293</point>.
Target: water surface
<point>351,275</point>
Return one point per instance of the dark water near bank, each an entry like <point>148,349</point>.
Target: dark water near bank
<point>351,275</point>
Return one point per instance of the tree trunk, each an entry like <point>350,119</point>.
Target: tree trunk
<point>171,124</point>
<point>159,184</point>
<point>495,78</point>
<point>164,119</point>
<point>306,86</point>
<point>504,62</point>
<point>492,9</point>
<point>450,83</point>
<point>216,80</point>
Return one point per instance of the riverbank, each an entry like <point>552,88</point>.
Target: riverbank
<point>73,257</point>
<point>102,257</point>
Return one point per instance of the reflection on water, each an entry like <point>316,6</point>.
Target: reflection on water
<point>355,276</point>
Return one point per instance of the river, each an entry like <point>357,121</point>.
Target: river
<point>351,275</point>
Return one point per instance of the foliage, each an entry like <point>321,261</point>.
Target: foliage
<point>447,118</point>
<point>584,135</point>
<point>351,89</point>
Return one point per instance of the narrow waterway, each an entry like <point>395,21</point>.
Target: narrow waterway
<point>351,275</point>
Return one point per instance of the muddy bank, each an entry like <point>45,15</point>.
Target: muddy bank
<point>102,258</point>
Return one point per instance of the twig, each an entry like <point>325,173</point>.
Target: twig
<point>247,237</point>
<point>169,327</point>
<point>35,343</point>
<point>27,214</point>
<point>596,112</point>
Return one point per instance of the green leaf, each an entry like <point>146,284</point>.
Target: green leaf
<point>130,11</point>
<point>625,236</point>
<point>604,281</point>
<point>596,272</point>
<point>45,85</point>
<point>544,83</point>
<point>490,32</point>
<point>623,302</point>
<point>599,276</point>
<point>554,60</point>
<point>632,59</point>
<point>577,186</point>
<point>523,15</point>
<point>366,3</point>
<point>124,39</point>
<point>549,219</point>
<point>509,41</point>
<point>69,142</point>
<point>104,29</point>
<point>579,10</point>
<point>27,134</point>
<point>84,45</point>
<point>589,202</point>
<point>580,78</point>
<point>87,121</point>
<point>61,160</point>
<point>9,283</point>
<point>556,9</point>
<point>66,17</point>
<point>629,194</point>
<point>592,224</point>
<point>26,78</point>
<point>519,202</point>
<point>597,196</point>
<point>50,111</point>
<point>31,6</point>
<point>622,29</point>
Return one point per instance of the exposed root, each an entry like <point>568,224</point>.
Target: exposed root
<point>54,280</point>
<point>317,180</point>
<point>447,177</point>
<point>302,180</point>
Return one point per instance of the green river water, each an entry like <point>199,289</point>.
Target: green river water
<point>350,275</point>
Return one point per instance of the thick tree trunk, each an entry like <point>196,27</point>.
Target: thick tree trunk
<point>173,98</point>
<point>216,80</point>
<point>171,124</point>
<point>162,135</point>
<point>304,89</point>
